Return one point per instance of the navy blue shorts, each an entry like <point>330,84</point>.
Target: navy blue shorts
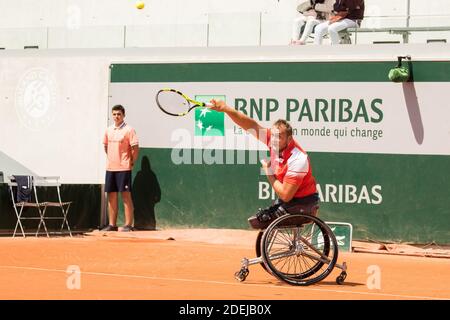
<point>118,181</point>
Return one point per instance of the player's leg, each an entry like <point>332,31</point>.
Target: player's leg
<point>111,190</point>
<point>124,186</point>
<point>265,216</point>
<point>112,208</point>
<point>129,208</point>
<point>307,205</point>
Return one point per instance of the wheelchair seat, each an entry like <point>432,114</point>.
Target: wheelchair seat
<point>264,217</point>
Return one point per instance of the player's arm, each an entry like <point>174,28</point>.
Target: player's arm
<point>284,190</point>
<point>105,142</point>
<point>134,153</point>
<point>134,144</point>
<point>242,120</point>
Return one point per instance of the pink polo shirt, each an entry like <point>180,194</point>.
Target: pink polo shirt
<point>119,141</point>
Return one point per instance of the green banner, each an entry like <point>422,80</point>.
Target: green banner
<point>369,71</point>
<point>384,197</point>
<point>378,149</point>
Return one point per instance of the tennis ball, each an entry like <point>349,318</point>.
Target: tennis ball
<point>140,5</point>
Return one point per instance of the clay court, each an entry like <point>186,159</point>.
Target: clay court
<point>196,264</point>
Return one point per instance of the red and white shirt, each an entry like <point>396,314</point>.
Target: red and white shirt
<point>293,166</point>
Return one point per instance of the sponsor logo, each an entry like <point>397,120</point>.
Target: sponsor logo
<point>209,122</point>
<point>36,99</point>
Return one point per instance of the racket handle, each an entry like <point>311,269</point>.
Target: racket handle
<point>209,105</point>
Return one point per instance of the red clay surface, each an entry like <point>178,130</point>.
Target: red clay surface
<point>199,264</point>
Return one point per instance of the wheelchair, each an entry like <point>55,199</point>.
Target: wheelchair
<point>294,245</point>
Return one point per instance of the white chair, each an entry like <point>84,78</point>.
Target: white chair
<point>47,183</point>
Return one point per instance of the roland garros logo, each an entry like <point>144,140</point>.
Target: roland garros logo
<point>36,99</point>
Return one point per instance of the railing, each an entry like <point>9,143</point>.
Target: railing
<point>404,31</point>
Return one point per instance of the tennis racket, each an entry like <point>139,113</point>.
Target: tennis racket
<point>177,104</point>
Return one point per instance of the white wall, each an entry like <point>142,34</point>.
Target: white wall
<point>86,37</point>
<point>53,111</point>
<point>76,23</point>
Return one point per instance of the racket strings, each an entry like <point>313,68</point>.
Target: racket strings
<point>173,102</point>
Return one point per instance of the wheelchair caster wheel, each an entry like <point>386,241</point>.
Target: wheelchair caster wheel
<point>241,275</point>
<point>340,279</point>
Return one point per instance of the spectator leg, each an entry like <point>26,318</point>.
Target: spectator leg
<point>320,31</point>
<point>336,27</point>
<point>309,28</point>
<point>299,21</point>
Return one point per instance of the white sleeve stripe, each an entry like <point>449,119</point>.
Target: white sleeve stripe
<point>298,162</point>
<point>296,175</point>
<point>298,166</point>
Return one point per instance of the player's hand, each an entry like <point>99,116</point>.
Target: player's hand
<point>218,105</point>
<point>266,167</point>
<point>265,163</point>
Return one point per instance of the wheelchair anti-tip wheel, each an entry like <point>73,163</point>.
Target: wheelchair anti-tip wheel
<point>242,274</point>
<point>340,279</point>
<point>299,249</point>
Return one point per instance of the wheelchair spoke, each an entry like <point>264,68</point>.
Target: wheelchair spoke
<point>281,255</point>
<point>300,250</point>
<point>306,263</point>
<point>313,257</point>
<point>313,248</point>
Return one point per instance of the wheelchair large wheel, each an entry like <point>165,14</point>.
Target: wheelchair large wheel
<point>299,249</point>
<point>258,249</point>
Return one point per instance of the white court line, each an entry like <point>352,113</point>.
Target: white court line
<point>226,283</point>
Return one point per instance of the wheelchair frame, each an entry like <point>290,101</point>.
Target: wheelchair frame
<point>306,244</point>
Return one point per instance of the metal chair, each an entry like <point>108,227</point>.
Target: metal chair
<point>34,202</point>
